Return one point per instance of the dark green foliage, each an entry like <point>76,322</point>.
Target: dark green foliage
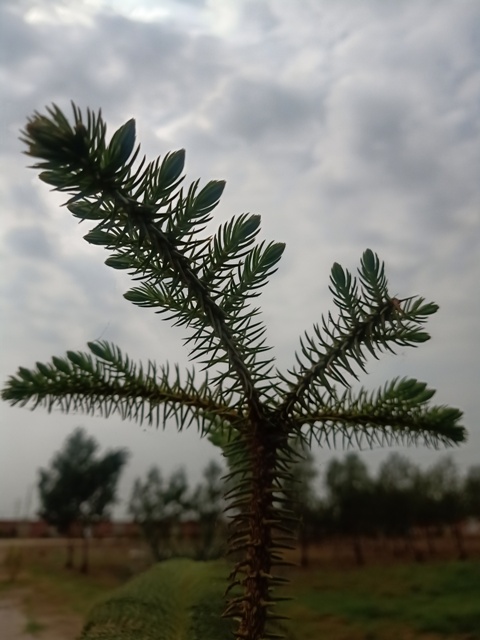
<point>160,505</point>
<point>157,506</point>
<point>395,495</point>
<point>472,491</point>
<point>350,488</point>
<point>444,490</point>
<point>207,281</point>
<point>404,503</point>
<point>350,493</point>
<point>79,487</point>
<point>207,506</point>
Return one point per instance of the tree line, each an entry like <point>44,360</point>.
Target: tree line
<point>399,499</point>
<point>80,487</point>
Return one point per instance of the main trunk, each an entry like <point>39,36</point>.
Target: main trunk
<point>253,530</point>
<point>258,556</point>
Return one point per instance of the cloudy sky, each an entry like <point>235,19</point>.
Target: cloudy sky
<point>345,124</point>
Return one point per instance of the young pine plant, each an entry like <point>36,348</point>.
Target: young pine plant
<point>154,228</point>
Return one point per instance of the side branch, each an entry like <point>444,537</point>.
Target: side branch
<point>399,413</point>
<point>327,360</point>
<point>80,383</point>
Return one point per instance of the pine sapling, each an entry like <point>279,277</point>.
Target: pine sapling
<point>155,228</point>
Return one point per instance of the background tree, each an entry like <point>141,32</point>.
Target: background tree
<point>425,507</point>
<point>394,507</point>
<point>300,498</point>
<point>447,498</point>
<point>157,506</point>
<point>206,280</point>
<point>471,489</point>
<point>79,487</point>
<point>207,504</point>
<point>350,494</point>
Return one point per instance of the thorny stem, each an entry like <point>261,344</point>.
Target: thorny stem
<point>258,556</point>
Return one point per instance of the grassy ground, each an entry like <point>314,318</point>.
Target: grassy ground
<point>178,598</point>
<point>403,602</point>
<point>427,601</point>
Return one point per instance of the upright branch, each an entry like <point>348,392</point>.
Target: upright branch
<point>156,229</point>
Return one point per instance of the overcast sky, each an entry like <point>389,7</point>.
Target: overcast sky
<point>345,124</point>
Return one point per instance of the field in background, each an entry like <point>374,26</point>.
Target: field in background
<point>398,601</point>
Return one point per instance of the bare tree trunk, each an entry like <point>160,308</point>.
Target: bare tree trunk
<point>69,562</point>
<point>85,566</point>
<point>410,545</point>
<point>431,547</point>
<point>457,534</point>
<point>358,549</point>
<point>304,546</point>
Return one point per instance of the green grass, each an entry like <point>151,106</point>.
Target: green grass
<point>175,599</point>
<point>441,599</point>
<point>434,601</point>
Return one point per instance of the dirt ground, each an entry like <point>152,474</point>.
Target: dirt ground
<point>21,622</point>
<point>29,615</point>
<point>16,624</point>
<point>13,622</point>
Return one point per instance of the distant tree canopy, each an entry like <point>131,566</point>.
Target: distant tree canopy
<point>399,498</point>
<point>79,486</point>
<point>472,491</point>
<point>208,504</point>
<point>395,491</point>
<point>348,501</point>
<point>158,504</point>
<point>300,498</point>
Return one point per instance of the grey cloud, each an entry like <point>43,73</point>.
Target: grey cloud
<point>117,60</point>
<point>260,14</point>
<point>195,3</point>
<point>31,243</point>
<point>254,109</point>
<point>19,39</point>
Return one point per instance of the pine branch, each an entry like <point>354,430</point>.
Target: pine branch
<point>108,383</point>
<point>397,414</point>
<point>152,230</point>
<point>370,322</point>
